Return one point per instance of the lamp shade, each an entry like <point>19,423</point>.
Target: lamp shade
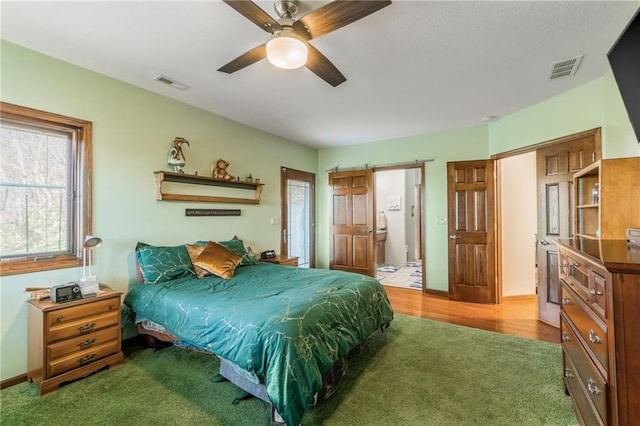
<point>91,242</point>
<point>287,50</point>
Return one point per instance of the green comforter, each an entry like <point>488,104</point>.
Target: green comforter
<point>287,325</point>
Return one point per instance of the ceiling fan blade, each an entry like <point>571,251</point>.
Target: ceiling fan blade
<point>323,68</point>
<point>335,15</point>
<point>255,14</point>
<point>254,55</point>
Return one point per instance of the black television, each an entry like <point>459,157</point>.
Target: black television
<point>624,58</point>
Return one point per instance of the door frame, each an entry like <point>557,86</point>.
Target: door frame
<point>307,177</point>
<point>423,211</point>
<point>596,132</point>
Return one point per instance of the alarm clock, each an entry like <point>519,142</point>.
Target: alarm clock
<point>269,254</point>
<point>66,292</point>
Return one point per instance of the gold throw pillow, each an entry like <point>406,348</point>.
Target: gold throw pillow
<point>217,260</point>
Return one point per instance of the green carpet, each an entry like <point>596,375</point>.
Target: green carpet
<point>418,372</point>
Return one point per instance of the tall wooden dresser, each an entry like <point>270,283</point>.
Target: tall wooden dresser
<point>600,329</point>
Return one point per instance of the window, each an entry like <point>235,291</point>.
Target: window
<point>45,190</point>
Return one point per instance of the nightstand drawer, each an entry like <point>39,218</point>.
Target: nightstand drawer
<point>60,316</point>
<point>82,358</point>
<point>82,326</point>
<point>82,342</point>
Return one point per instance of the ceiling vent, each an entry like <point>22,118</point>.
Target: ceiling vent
<point>171,82</point>
<point>565,68</point>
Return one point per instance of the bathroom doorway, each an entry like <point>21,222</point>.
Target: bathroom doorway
<point>399,204</point>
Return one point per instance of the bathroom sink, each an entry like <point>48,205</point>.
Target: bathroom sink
<point>381,235</point>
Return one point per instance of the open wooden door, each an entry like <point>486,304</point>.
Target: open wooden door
<point>471,211</point>
<point>556,165</point>
<point>352,222</point>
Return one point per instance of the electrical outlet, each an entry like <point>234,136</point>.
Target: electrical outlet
<point>441,220</point>
<point>275,221</point>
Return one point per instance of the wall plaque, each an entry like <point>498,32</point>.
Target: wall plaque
<point>212,212</point>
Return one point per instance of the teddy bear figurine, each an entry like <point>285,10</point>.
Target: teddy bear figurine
<point>220,170</point>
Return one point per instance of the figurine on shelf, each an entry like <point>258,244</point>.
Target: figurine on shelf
<point>249,178</point>
<point>219,171</point>
<point>176,156</point>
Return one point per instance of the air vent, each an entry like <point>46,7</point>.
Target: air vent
<point>565,68</point>
<point>171,82</point>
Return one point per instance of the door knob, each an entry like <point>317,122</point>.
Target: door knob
<point>453,237</point>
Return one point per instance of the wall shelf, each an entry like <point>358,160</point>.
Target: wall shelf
<point>162,176</point>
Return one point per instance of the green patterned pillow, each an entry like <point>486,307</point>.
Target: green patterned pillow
<point>159,264</point>
<point>237,246</point>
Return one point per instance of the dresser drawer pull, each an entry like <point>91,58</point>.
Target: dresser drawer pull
<point>575,265</point>
<point>593,389</point>
<point>593,337</point>
<point>86,359</point>
<point>568,374</point>
<point>565,337</point>
<point>565,300</point>
<point>112,306</point>
<point>60,318</point>
<point>595,293</point>
<point>86,328</point>
<point>87,343</point>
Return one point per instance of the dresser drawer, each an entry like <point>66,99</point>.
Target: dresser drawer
<point>591,328</point>
<point>60,316</point>
<point>82,326</point>
<point>83,342</point>
<point>592,383</point>
<point>79,359</point>
<point>598,293</point>
<point>587,413</point>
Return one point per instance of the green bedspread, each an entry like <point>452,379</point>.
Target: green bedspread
<point>287,325</point>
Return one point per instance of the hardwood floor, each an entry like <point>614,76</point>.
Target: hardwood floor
<point>517,317</point>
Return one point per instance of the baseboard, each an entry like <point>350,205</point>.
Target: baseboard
<point>440,293</point>
<point>13,381</point>
<point>520,297</point>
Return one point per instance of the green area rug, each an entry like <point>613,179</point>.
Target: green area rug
<point>418,372</point>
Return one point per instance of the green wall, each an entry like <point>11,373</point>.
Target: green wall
<point>133,129</point>
<point>455,145</point>
<point>132,133</point>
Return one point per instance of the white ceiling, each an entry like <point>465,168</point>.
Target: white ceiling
<point>413,67</point>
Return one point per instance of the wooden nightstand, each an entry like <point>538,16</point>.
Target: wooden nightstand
<point>71,340</point>
<point>283,260</point>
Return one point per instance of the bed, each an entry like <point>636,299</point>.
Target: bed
<point>277,329</point>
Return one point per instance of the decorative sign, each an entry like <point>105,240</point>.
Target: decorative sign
<point>394,203</point>
<point>212,212</point>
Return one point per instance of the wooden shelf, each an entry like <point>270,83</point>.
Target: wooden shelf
<point>162,176</point>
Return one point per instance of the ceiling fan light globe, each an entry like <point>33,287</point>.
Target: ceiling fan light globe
<point>287,51</point>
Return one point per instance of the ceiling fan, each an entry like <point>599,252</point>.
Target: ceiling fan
<point>287,46</point>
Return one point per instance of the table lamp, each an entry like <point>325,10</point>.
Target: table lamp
<point>89,283</point>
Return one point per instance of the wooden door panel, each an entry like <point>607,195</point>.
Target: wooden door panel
<point>352,222</point>
<point>471,231</point>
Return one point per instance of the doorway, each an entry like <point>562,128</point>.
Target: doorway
<point>533,208</point>
<point>399,211</point>
<point>297,191</point>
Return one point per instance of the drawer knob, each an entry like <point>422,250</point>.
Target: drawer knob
<point>595,293</point>
<point>86,328</point>
<point>593,389</point>
<point>593,337</point>
<point>112,306</point>
<point>87,343</point>
<point>565,337</point>
<point>568,374</point>
<point>565,300</point>
<point>60,318</point>
<point>86,359</point>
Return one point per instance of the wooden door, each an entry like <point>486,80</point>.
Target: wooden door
<point>352,222</point>
<point>555,165</point>
<point>471,210</point>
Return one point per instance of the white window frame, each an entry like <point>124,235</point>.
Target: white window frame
<point>80,173</point>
